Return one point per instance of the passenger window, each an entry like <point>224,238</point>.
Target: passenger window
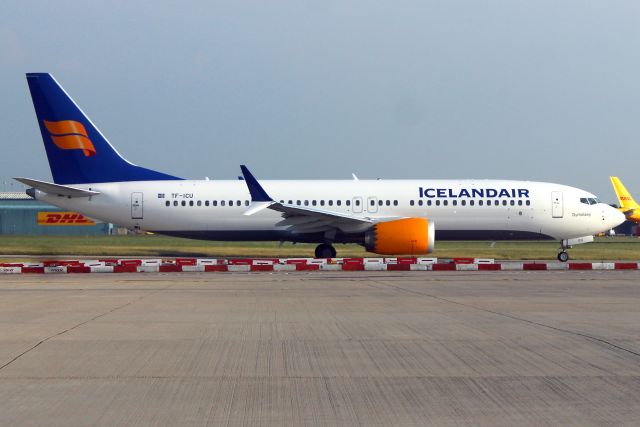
<point>395,203</point>
<point>298,202</point>
<point>373,203</point>
<point>437,202</point>
<point>321,202</point>
<point>528,202</point>
<point>512,203</point>
<point>339,203</point>
<point>206,203</point>
<point>290,202</point>
<point>175,203</point>
<point>454,203</point>
<point>445,202</point>
<point>463,202</point>
<point>348,203</point>
<point>221,202</point>
<point>380,202</point>
<point>357,202</point>
<point>246,203</point>
<point>306,203</point>
<point>472,202</point>
<point>411,202</point>
<point>428,202</point>
<point>504,203</point>
<point>239,203</point>
<point>388,203</point>
<point>230,202</point>
<point>167,203</point>
<point>519,202</point>
<point>183,203</point>
<point>330,202</point>
<point>215,203</point>
<point>480,202</point>
<point>313,202</point>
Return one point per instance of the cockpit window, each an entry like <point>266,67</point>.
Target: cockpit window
<point>589,200</point>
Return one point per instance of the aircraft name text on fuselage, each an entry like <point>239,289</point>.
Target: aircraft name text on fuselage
<point>473,192</point>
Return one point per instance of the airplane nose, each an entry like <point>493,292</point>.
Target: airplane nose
<point>613,217</point>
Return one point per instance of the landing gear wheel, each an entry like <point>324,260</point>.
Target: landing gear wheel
<point>325,251</point>
<point>563,256</point>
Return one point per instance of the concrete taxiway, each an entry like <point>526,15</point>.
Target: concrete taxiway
<point>375,349</point>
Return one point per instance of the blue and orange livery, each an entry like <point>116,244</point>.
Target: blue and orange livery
<point>70,135</point>
<point>78,153</point>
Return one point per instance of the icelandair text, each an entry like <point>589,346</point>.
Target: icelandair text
<point>473,192</point>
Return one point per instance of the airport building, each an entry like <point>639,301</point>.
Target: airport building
<point>22,215</point>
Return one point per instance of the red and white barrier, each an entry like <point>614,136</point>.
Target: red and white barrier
<point>246,265</point>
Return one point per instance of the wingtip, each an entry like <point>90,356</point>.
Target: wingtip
<point>258,194</point>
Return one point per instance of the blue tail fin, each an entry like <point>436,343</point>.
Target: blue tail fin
<point>77,151</point>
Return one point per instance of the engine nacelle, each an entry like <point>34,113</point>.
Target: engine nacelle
<point>403,236</point>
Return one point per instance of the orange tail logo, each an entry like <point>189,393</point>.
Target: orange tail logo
<point>70,135</point>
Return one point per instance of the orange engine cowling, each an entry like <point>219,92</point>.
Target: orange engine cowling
<point>402,236</point>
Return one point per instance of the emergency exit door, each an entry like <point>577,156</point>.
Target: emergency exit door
<point>557,209</point>
<point>136,205</point>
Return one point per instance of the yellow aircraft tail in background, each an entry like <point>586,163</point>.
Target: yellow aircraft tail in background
<point>628,206</point>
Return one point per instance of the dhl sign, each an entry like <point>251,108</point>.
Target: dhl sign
<point>63,218</point>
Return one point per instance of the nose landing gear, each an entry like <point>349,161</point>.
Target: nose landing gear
<point>325,250</point>
<point>565,244</point>
<point>563,256</point>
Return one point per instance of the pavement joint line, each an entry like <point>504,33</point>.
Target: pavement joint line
<point>521,319</point>
<point>50,337</point>
<point>296,377</point>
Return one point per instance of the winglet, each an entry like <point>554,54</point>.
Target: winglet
<point>257,192</point>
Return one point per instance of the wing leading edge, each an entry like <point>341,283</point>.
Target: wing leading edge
<point>304,219</point>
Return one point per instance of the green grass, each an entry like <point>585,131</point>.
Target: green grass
<point>605,248</point>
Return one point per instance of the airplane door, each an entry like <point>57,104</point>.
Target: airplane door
<point>356,205</point>
<point>136,205</point>
<point>557,209</point>
<point>372,204</point>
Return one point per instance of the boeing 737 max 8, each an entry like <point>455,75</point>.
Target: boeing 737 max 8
<point>385,216</point>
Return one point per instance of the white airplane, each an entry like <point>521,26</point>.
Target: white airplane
<point>389,217</point>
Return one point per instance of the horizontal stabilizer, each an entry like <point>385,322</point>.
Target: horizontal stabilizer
<point>57,189</point>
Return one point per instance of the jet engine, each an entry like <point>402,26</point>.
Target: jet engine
<point>402,236</point>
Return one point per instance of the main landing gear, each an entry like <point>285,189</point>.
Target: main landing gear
<point>325,250</point>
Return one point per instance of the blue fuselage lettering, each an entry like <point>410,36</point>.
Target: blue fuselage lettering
<point>454,193</point>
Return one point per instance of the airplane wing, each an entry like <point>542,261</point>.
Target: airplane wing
<point>304,219</point>
<point>61,190</point>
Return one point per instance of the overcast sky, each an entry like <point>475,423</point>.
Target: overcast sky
<point>532,90</point>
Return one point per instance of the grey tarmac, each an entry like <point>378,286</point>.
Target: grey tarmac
<point>361,348</point>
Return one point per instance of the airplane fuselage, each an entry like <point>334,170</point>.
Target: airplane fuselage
<point>459,209</point>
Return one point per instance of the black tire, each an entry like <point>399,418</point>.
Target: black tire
<point>325,251</point>
<point>563,256</point>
